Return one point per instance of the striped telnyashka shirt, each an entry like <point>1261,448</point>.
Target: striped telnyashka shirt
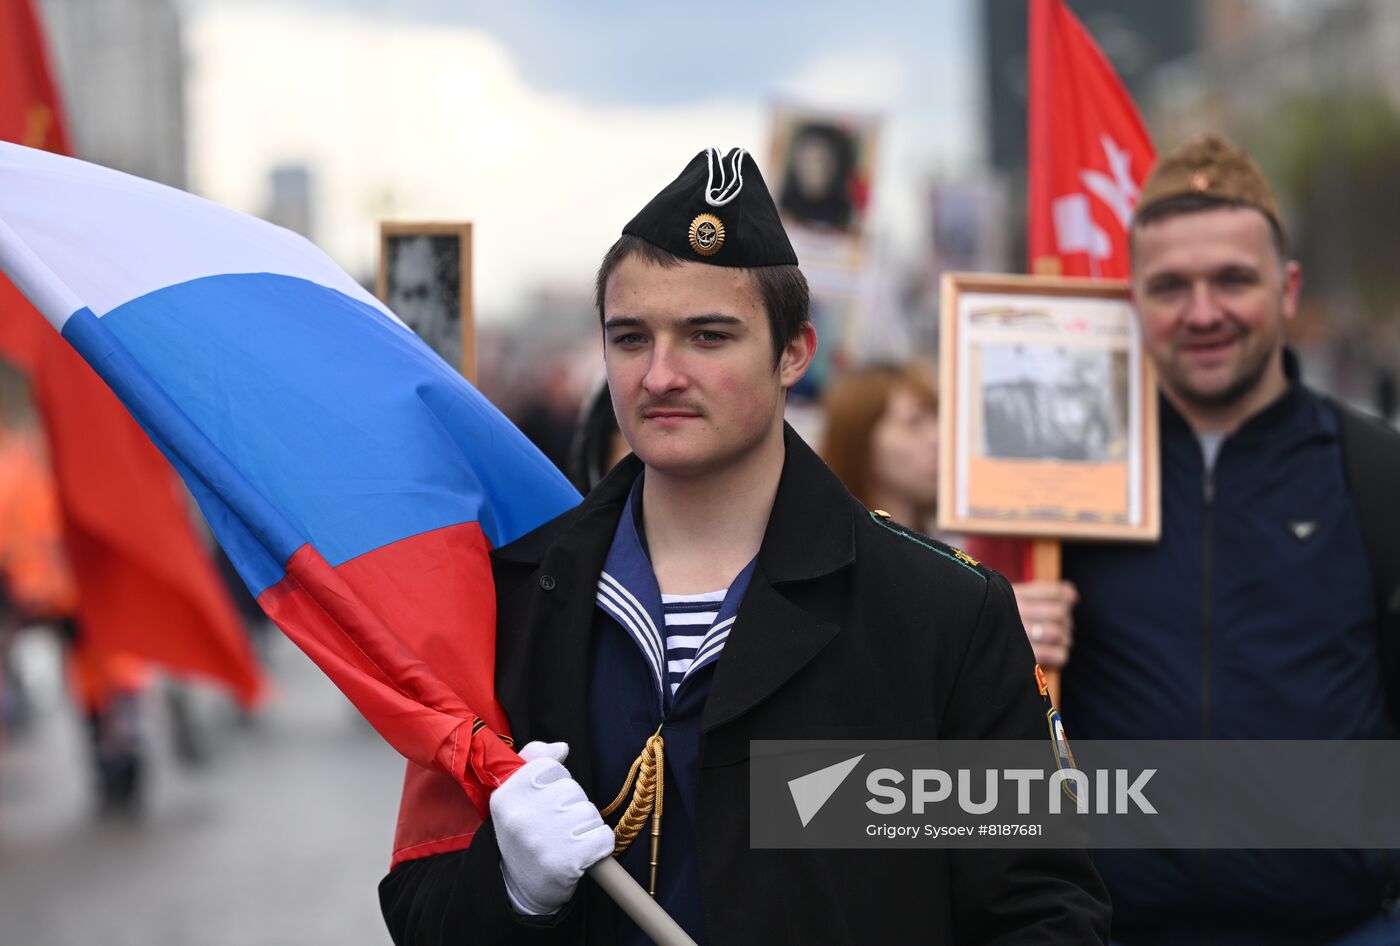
<point>690,635</point>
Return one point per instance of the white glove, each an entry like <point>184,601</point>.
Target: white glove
<point>548,831</point>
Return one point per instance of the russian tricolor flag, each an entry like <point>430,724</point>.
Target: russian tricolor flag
<point>355,479</point>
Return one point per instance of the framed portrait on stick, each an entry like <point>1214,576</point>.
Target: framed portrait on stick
<point>425,278</point>
<point>824,164</point>
<point>1048,411</point>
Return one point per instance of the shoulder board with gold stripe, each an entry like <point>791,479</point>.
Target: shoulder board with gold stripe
<point>882,518</point>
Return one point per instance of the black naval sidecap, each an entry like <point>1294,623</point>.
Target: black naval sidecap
<point>718,212</point>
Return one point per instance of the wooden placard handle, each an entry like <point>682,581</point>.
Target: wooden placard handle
<point>1045,566</point>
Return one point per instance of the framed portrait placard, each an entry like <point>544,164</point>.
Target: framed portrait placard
<point>1048,411</point>
<point>823,165</point>
<point>425,278</point>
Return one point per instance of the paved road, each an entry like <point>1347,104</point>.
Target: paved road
<point>279,839</point>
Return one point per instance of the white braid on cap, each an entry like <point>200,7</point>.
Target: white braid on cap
<point>731,182</point>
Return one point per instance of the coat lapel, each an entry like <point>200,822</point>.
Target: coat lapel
<point>771,640</point>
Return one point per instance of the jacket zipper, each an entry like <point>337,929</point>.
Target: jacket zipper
<point>1207,527</point>
<point>1207,541</point>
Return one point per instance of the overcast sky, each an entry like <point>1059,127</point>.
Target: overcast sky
<point>550,124</point>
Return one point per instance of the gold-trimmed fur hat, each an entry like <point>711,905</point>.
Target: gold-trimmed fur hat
<point>1210,166</point>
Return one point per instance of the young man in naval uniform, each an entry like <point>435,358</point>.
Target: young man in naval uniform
<point>719,586</point>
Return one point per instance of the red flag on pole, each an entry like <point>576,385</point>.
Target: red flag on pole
<point>1089,151</point>
<point>29,107</point>
<point>146,584</point>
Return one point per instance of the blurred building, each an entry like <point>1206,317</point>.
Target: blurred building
<point>1137,38</point>
<point>1311,89</point>
<point>1257,56</point>
<point>289,198</point>
<point>120,71</point>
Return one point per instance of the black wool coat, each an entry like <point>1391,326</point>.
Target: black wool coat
<point>851,628</point>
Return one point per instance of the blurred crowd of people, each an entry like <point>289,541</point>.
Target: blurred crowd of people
<point>110,691</point>
<point>1255,617</point>
<point>37,591</point>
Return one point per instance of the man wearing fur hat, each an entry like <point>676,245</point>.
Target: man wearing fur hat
<point>1266,610</point>
<point>721,586</point>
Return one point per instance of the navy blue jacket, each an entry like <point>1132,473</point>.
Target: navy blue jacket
<point>1252,618</point>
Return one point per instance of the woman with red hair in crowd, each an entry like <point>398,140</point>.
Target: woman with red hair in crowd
<point>881,439</point>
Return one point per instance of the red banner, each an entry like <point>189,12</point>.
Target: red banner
<point>146,584</point>
<point>1089,151</point>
